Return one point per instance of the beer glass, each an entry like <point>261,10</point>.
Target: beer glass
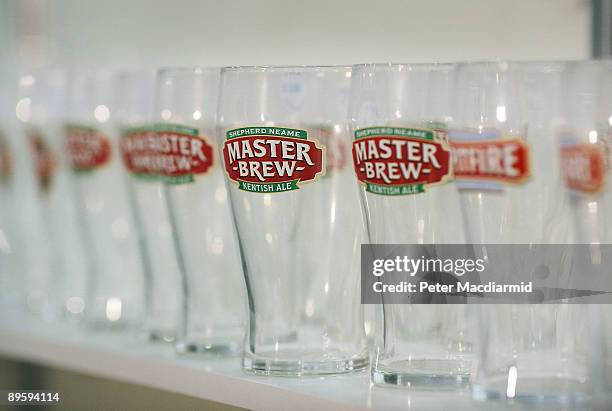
<point>287,216</point>
<point>135,105</point>
<point>586,156</point>
<point>115,297</point>
<point>503,138</point>
<point>68,267</point>
<point>185,125</point>
<point>396,105</point>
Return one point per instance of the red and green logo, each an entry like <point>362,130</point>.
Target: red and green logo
<point>88,148</point>
<point>583,167</point>
<point>399,161</point>
<point>505,160</point>
<point>173,152</point>
<point>44,160</point>
<point>271,159</point>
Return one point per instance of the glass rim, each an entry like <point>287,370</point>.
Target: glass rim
<point>187,69</point>
<point>280,68</point>
<point>95,70</point>
<point>515,63</point>
<point>400,66</point>
<point>592,62</point>
<point>130,73</point>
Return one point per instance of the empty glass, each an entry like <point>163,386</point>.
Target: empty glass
<point>503,139</point>
<point>135,104</point>
<point>116,290</point>
<point>213,290</point>
<point>399,115</point>
<point>291,222</point>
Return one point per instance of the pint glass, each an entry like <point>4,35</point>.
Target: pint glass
<point>408,198</point>
<point>135,103</point>
<point>509,179</point>
<point>116,289</point>
<point>296,230</point>
<point>214,309</point>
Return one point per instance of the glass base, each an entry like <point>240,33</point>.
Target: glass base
<point>161,336</point>
<point>199,348</point>
<point>311,363</point>
<point>535,390</point>
<point>98,325</point>
<point>424,373</point>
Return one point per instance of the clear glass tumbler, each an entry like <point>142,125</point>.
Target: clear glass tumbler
<point>115,299</point>
<point>503,139</point>
<point>274,157</point>
<point>135,105</point>
<point>213,291</point>
<point>399,115</point>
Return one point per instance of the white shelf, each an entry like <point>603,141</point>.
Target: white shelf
<point>123,358</point>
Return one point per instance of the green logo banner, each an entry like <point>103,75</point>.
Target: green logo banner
<point>162,128</point>
<point>394,131</point>
<point>268,132</point>
<point>395,190</point>
<point>268,187</point>
<point>180,179</point>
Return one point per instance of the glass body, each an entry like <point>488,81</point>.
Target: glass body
<point>529,353</point>
<point>115,290</point>
<point>213,291</point>
<point>135,105</point>
<point>297,227</point>
<point>421,344</point>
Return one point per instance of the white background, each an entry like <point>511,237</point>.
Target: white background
<point>238,32</point>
